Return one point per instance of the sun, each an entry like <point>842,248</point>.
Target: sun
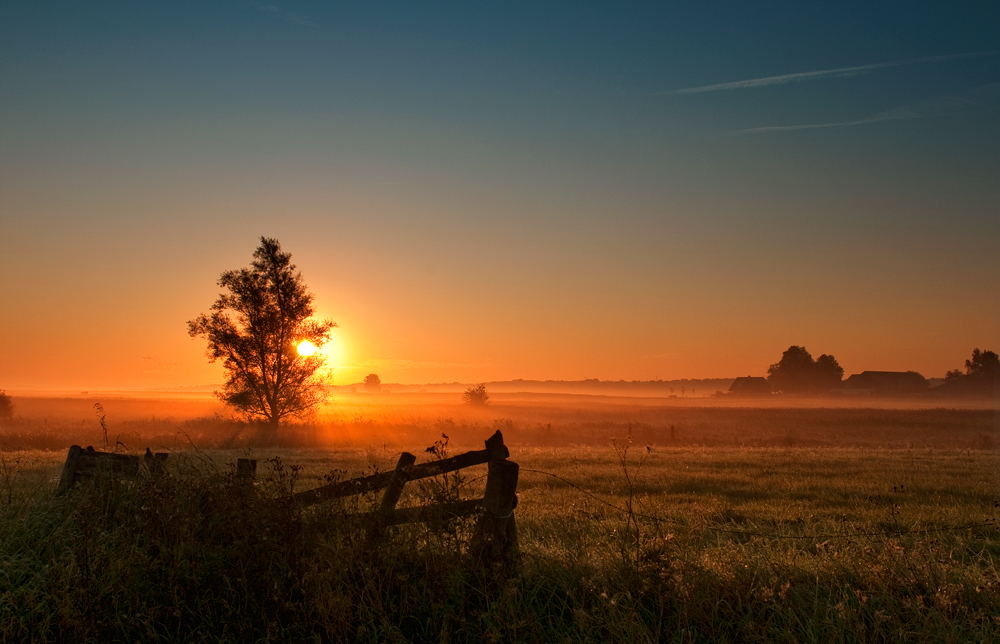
<point>307,348</point>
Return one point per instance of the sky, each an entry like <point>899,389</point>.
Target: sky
<point>487,191</point>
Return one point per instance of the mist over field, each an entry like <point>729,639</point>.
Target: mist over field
<point>408,420</point>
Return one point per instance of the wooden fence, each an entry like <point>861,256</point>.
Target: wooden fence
<point>494,537</point>
<point>495,534</point>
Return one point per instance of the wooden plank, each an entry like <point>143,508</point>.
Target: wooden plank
<point>435,468</point>
<point>391,497</point>
<point>89,462</point>
<point>344,488</point>
<point>121,463</point>
<point>379,481</point>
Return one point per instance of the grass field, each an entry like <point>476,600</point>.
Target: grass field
<point>745,525</point>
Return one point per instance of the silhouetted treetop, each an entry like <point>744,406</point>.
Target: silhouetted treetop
<point>797,372</point>
<point>982,374</point>
<point>984,365</point>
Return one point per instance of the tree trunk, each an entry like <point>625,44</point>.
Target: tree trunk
<point>267,431</point>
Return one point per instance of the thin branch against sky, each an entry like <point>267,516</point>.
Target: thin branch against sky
<point>841,72</point>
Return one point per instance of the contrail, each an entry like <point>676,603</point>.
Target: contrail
<point>938,105</point>
<point>825,73</point>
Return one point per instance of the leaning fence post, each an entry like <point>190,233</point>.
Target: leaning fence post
<point>495,538</point>
<point>391,496</point>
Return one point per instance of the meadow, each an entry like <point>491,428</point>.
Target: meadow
<point>795,523</point>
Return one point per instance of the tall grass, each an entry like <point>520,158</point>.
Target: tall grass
<point>706,545</point>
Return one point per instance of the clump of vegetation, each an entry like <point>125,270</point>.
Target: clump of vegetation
<point>476,395</point>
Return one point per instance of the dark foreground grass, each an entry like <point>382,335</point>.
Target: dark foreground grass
<point>707,554</point>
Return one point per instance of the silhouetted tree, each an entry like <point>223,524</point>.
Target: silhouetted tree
<point>797,372</point>
<point>791,373</point>
<point>6,405</point>
<point>982,372</point>
<point>954,376</point>
<point>476,395</point>
<point>828,373</point>
<point>373,384</point>
<point>984,366</point>
<point>255,328</point>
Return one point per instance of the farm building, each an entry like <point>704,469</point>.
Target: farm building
<point>750,387</point>
<point>885,383</point>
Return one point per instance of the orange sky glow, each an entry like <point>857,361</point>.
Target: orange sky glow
<point>499,193</point>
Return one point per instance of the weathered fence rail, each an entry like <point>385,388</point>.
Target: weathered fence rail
<point>86,463</point>
<point>495,451</point>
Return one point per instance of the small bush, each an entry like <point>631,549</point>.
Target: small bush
<point>476,395</point>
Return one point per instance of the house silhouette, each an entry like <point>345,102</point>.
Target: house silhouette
<point>885,383</point>
<point>750,387</point>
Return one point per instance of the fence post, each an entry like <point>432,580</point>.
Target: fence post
<point>391,496</point>
<point>154,462</point>
<point>495,538</point>
<point>69,469</point>
<point>495,448</point>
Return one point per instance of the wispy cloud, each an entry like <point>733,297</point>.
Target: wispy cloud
<point>935,106</point>
<point>824,73</point>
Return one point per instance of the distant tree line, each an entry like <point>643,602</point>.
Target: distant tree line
<point>6,405</point>
<point>798,373</point>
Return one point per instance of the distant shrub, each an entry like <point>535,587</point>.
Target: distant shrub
<point>373,384</point>
<point>476,395</point>
<point>6,405</point>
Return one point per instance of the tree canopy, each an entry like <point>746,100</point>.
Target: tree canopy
<point>984,366</point>
<point>797,372</point>
<point>982,372</point>
<point>256,327</point>
<point>373,383</point>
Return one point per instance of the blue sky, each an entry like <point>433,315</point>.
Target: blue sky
<point>487,190</point>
